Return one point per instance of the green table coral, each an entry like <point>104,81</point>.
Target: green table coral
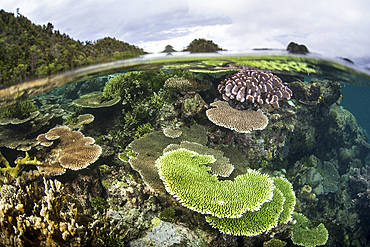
<point>304,234</point>
<point>186,177</point>
<point>286,188</point>
<point>252,223</point>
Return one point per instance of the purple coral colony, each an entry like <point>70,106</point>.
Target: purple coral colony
<point>254,86</point>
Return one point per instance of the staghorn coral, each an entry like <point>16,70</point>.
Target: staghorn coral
<point>254,86</point>
<point>186,177</point>
<point>15,171</point>
<point>73,151</point>
<point>240,121</point>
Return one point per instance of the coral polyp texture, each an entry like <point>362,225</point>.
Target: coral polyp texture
<point>287,189</point>
<point>242,121</point>
<point>252,223</point>
<point>73,151</point>
<point>254,86</point>
<point>186,177</point>
<point>221,167</point>
<point>305,234</point>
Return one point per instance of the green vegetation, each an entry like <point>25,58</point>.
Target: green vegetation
<point>20,110</point>
<point>142,130</point>
<point>99,203</point>
<point>249,205</point>
<point>141,94</point>
<point>168,214</point>
<point>30,51</point>
<point>202,45</point>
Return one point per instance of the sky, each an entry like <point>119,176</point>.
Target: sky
<point>334,28</point>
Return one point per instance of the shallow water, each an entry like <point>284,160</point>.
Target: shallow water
<point>102,172</point>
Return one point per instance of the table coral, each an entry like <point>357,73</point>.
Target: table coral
<point>305,234</point>
<point>73,150</point>
<point>240,121</point>
<point>186,177</point>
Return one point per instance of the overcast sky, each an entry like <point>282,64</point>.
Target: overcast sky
<point>328,27</point>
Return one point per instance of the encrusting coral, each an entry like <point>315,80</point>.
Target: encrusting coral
<point>254,86</point>
<point>240,121</point>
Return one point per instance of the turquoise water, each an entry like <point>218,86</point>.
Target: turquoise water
<point>203,150</point>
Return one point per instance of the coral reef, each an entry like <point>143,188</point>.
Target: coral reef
<point>240,121</point>
<point>254,206</point>
<point>166,234</point>
<point>193,182</point>
<point>18,113</point>
<point>254,86</point>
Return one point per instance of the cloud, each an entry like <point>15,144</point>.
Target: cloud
<point>331,27</point>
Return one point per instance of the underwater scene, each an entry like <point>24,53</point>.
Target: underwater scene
<point>191,150</point>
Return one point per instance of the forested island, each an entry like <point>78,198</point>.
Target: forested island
<point>29,51</point>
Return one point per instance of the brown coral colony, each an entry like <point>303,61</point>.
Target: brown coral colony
<point>254,86</point>
<point>74,150</point>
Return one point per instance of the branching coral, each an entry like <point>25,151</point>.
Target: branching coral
<point>14,171</point>
<point>51,219</point>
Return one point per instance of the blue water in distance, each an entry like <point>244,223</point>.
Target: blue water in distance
<point>356,99</point>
